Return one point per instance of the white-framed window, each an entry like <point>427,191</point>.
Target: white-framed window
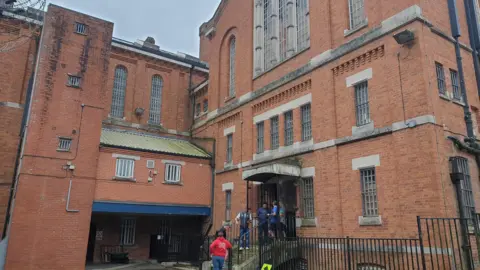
<point>125,168</point>
<point>156,100</point>
<point>74,81</point>
<point>80,28</point>
<point>127,231</point>
<point>357,13</point>
<point>118,95</point>
<point>64,144</point>
<point>173,173</point>
<point>231,65</point>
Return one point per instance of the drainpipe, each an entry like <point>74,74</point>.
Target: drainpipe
<point>474,37</point>
<point>452,10</point>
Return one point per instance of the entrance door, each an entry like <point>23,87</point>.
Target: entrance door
<point>91,242</point>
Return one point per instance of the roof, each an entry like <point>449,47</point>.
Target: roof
<point>186,59</point>
<point>149,143</point>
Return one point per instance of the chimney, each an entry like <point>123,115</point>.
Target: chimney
<point>150,43</point>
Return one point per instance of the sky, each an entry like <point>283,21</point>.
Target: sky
<point>173,23</point>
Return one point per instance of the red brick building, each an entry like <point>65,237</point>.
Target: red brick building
<point>350,113</point>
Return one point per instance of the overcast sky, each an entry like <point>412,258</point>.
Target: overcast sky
<point>173,23</point>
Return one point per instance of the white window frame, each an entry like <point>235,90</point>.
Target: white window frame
<point>127,231</point>
<point>124,173</point>
<point>175,176</point>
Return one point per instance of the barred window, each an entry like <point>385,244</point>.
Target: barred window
<point>127,231</point>
<point>288,128</point>
<point>229,147</point>
<point>306,122</point>
<point>369,192</point>
<point>260,137</point>
<point>74,81</point>
<point>284,24</point>
<point>274,139</point>
<point>118,96</point>
<point>205,105</point>
<point>268,31</point>
<point>156,100</point>
<point>64,144</point>
<point>455,86</point>
<point>80,28</point>
<point>357,13</point>
<point>361,104</point>
<point>125,168</point>
<point>466,185</point>
<point>197,109</point>
<point>231,88</point>
<point>303,27</point>
<point>173,173</point>
<point>442,89</point>
<point>308,197</point>
<point>228,205</point>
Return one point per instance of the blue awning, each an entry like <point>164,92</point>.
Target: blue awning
<point>152,209</point>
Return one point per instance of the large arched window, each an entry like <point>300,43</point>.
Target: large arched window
<point>118,96</point>
<point>156,100</point>
<point>231,86</point>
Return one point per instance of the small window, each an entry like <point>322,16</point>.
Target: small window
<point>172,173</point>
<point>125,168</point>
<point>361,104</point>
<point>64,144</point>
<point>74,81</point>
<point>260,137</point>
<point>80,28</point>
<point>288,128</point>
<point>369,192</point>
<point>274,140</point>
<point>357,13</point>
<point>228,205</point>
<point>455,85</point>
<point>306,122</point>
<point>205,105</point>
<point>308,198</point>
<point>151,164</point>
<point>127,231</point>
<point>229,148</point>
<point>442,89</point>
<point>197,109</point>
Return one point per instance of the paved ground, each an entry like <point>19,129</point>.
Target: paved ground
<point>137,266</point>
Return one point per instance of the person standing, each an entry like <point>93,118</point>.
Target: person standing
<point>262,214</point>
<point>244,219</point>
<point>274,219</point>
<point>219,251</point>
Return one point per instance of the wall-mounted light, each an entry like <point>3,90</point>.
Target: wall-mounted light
<point>405,37</point>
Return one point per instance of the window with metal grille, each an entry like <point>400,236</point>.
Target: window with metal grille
<point>466,186</point>
<point>118,95</point>
<point>231,88</point>
<point>455,85</point>
<point>442,88</point>
<point>288,128</point>
<point>369,192</point>
<point>125,168</point>
<point>74,81</point>
<point>361,104</point>
<point>127,231</point>
<point>260,138</point>
<point>357,13</point>
<point>308,198</point>
<point>198,109</point>
<point>228,205</point>
<point>64,144</point>
<point>173,173</point>
<point>284,24</point>
<point>80,28</point>
<point>229,148</point>
<point>303,28</point>
<point>205,105</point>
<point>274,139</point>
<point>267,33</point>
<point>156,100</point>
<point>306,122</point>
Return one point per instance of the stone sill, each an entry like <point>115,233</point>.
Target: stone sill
<point>124,179</point>
<point>449,97</point>
<point>256,76</point>
<point>228,99</point>
<point>173,183</point>
<point>308,222</point>
<point>370,221</point>
<point>348,32</point>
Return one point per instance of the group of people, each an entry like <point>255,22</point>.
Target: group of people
<point>271,224</point>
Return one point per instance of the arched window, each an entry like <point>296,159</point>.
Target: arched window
<point>118,96</point>
<point>231,88</point>
<point>156,100</point>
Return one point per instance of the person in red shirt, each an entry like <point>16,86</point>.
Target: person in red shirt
<point>219,251</point>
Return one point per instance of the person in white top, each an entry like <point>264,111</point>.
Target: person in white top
<point>244,219</point>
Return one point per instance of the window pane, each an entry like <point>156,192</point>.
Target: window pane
<point>156,100</point>
<point>118,95</point>
<point>229,148</point>
<point>455,85</point>
<point>274,141</point>
<point>308,198</point>
<point>361,104</point>
<point>442,89</point>
<point>303,28</point>
<point>260,137</point>
<point>357,13</point>
<point>228,204</point>
<point>231,91</point>
<point>288,128</point>
<point>306,122</point>
<point>369,192</point>
<point>125,168</point>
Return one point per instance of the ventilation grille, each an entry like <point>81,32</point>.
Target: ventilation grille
<point>151,164</point>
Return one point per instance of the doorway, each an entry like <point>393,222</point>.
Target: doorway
<point>91,243</point>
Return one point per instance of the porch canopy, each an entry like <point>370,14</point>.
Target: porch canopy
<point>149,209</point>
<point>264,173</point>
